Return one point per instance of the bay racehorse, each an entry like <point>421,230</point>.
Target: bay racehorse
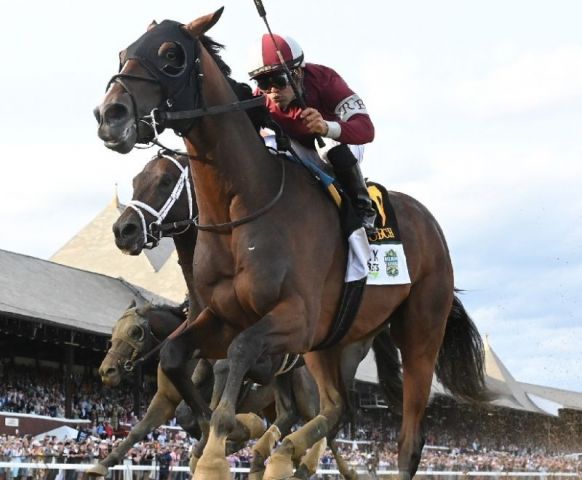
<point>163,204</point>
<point>270,257</point>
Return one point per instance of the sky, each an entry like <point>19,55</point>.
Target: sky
<point>478,114</point>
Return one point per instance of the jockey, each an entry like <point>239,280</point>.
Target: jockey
<point>333,111</point>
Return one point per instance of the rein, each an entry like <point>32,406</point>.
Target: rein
<point>176,88</point>
<point>213,110</point>
<point>249,218</point>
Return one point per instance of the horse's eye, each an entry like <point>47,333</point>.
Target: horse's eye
<point>166,181</point>
<point>135,332</point>
<point>174,58</point>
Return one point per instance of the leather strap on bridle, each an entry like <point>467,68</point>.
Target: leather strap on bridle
<point>152,231</point>
<point>214,110</point>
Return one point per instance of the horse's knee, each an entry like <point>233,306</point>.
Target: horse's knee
<point>333,412</point>
<point>220,368</point>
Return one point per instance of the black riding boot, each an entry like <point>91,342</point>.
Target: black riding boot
<point>349,175</point>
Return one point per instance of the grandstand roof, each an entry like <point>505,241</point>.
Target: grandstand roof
<point>58,294</point>
<point>93,249</point>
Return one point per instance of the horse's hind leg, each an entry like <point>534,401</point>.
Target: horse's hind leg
<point>418,328</point>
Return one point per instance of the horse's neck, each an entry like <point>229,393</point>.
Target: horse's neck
<point>163,323</point>
<point>185,244</point>
<point>231,159</point>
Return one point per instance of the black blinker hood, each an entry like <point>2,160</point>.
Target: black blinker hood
<point>175,87</point>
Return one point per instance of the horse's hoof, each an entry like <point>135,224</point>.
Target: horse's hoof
<point>280,467</point>
<point>212,469</point>
<point>192,463</point>
<point>97,470</point>
<point>253,423</point>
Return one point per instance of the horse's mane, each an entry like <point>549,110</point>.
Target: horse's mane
<point>259,116</point>
<point>179,311</point>
<point>213,48</point>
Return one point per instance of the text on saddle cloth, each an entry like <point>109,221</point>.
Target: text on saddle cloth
<point>380,257</point>
<point>387,264</point>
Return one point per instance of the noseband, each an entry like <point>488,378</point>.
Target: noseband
<point>152,234</point>
<point>179,85</point>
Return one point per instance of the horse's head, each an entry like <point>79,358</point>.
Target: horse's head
<point>130,339</point>
<point>158,72</point>
<point>162,193</point>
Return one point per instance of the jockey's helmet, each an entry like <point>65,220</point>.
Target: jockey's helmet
<point>269,61</point>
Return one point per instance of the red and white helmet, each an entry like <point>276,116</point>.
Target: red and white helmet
<point>269,61</point>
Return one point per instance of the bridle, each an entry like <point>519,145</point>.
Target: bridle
<point>152,233</point>
<point>182,89</point>
<point>137,345</point>
<point>180,85</point>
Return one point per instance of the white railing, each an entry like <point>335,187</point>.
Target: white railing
<point>128,469</point>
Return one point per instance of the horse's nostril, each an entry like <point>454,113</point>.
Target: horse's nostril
<point>115,113</point>
<point>109,371</point>
<point>128,230</point>
<point>97,114</point>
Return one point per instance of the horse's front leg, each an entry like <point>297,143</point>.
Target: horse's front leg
<point>174,357</point>
<point>243,355</point>
<point>160,410</point>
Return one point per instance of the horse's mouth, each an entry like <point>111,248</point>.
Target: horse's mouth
<point>133,251</point>
<point>125,142</point>
<point>132,245</point>
<point>111,380</point>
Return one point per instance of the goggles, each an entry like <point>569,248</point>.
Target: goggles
<point>277,80</point>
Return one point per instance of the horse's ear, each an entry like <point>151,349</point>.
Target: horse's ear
<point>152,25</point>
<point>201,25</point>
<point>132,304</point>
<point>142,309</point>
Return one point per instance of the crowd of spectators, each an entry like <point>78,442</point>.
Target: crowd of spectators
<point>369,443</point>
<point>40,391</point>
<point>173,449</point>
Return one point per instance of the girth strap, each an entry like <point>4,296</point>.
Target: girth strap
<point>348,309</point>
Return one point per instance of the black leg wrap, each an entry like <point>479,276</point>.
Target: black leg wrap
<point>350,177</point>
<point>341,158</point>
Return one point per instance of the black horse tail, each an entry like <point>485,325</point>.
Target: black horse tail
<point>461,361</point>
<point>388,368</point>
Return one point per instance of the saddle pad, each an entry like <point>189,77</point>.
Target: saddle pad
<point>387,264</point>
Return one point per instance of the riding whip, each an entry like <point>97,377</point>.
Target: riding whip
<point>298,96</point>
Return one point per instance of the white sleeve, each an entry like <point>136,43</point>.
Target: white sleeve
<point>350,106</point>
